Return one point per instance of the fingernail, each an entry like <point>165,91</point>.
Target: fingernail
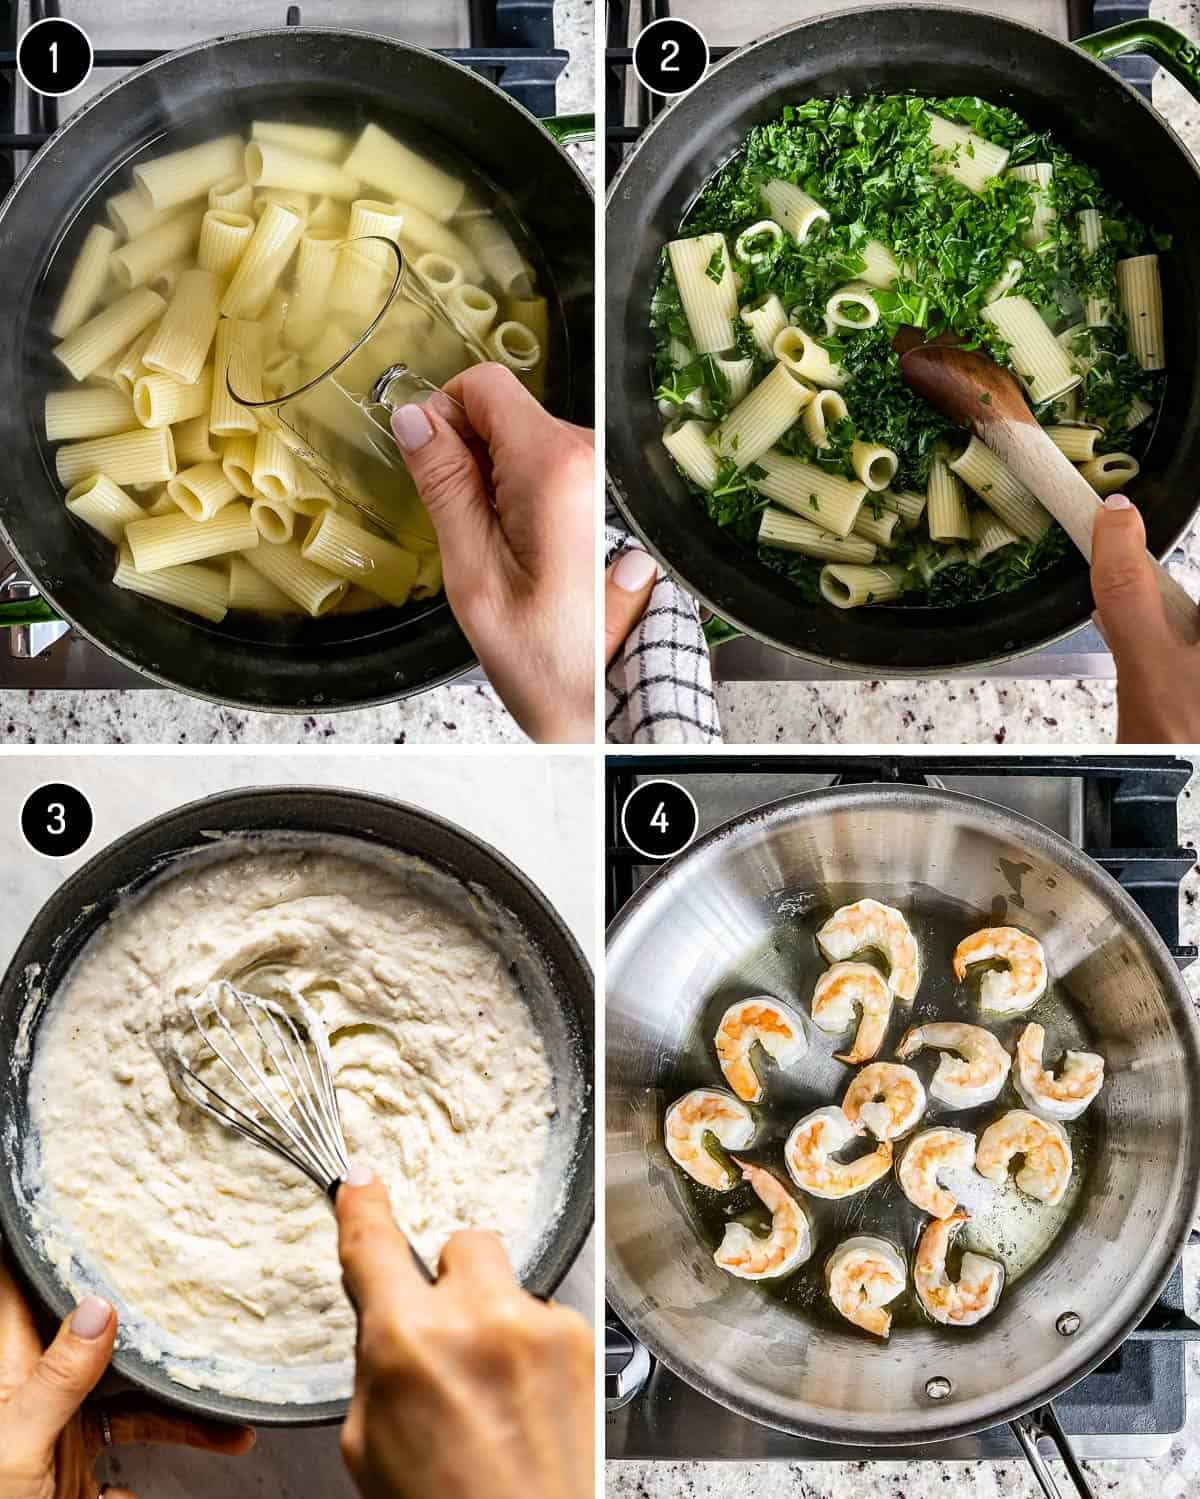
<point>441,405</point>
<point>634,570</point>
<point>1118,502</point>
<point>359,1176</point>
<point>91,1317</point>
<point>411,428</point>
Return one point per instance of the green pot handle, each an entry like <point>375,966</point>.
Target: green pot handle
<point>26,612</point>
<point>1174,51</point>
<point>566,128</point>
<point>718,631</point>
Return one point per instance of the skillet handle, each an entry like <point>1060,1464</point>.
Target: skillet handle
<point>566,128</point>
<point>1174,51</point>
<point>26,612</point>
<point>1043,1422</point>
<point>717,631</point>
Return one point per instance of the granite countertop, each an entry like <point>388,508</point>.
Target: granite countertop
<point>556,850</point>
<point>1176,1476</point>
<point>960,710</point>
<point>465,712</point>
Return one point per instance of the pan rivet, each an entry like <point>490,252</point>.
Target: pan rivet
<point>938,1387</point>
<point>1069,1323</point>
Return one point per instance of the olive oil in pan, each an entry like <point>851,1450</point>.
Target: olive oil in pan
<point>1004,1223</point>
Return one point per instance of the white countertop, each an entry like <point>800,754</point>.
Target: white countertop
<point>489,795</point>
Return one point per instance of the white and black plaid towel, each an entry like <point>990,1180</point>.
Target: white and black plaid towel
<point>660,683</point>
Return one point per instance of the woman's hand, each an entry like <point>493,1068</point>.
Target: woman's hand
<point>512,502</point>
<point>468,1387</point>
<point>628,583</point>
<point>49,1439</point>
<point>1158,674</point>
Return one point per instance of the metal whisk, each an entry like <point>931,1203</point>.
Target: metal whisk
<point>281,1066</point>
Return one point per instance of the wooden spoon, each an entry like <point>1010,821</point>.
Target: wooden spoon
<point>974,392</point>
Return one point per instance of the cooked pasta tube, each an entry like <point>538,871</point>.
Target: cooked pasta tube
<point>847,586</point>
<point>282,197</point>
<point>198,590</point>
<point>988,535</point>
<point>766,322</point>
<point>949,518</point>
<point>161,400</point>
<point>275,519</point>
<point>874,464</point>
<point>1039,360</point>
<point>963,155</point>
<point>270,164</point>
<point>688,445</point>
<point>908,505</point>
<point>792,533</point>
<point>168,540</point>
<point>237,361</point>
<point>165,281</point>
<point>1110,472</point>
<point>237,463</point>
<point>182,175</point>
<point>268,252</point>
<point>129,367</point>
<point>514,345</point>
<point>108,332</point>
<point>104,506</point>
<point>805,357</point>
<point>366,269</point>
<point>439,272</point>
<point>131,215</point>
<point>1038,175</point>
<point>144,456</point>
<point>314,588</point>
<point>1077,442</point>
<point>1140,290</point>
<point>1000,490</point>
<point>825,410</point>
<point>788,205</point>
<point>497,253</point>
<point>1139,411</point>
<point>879,265</point>
<point>827,500</point>
<point>421,233</point>
<point>223,239</point>
<point>316,265</point>
<point>231,195</point>
<point>381,161</point>
<point>193,442</point>
<point>756,424</point>
<point>876,524</point>
<point>1005,282</point>
<point>852,306</point>
<point>88,278</point>
<point>87,413</point>
<point>321,141</point>
<point>274,472</point>
<point>361,557</point>
<point>202,490</point>
<point>707,289</point>
<point>282,374</point>
<point>737,374</point>
<point>134,263</point>
<point>472,308</point>
<point>183,338</point>
<point>755,244</point>
<point>1079,346</point>
<point>327,213</point>
<point>1097,312</point>
<point>312,493</point>
<point>251,591</point>
<point>429,575</point>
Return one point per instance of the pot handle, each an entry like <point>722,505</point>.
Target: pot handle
<point>1044,1422</point>
<point>26,612</point>
<point>566,128</point>
<point>717,631</point>
<point>1174,51</point>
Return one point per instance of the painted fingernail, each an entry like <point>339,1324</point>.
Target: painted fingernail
<point>359,1176</point>
<point>1118,502</point>
<point>91,1317</point>
<point>634,570</point>
<point>411,428</point>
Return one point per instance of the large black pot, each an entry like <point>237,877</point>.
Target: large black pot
<point>928,50</point>
<point>296,73</point>
<point>555,981</point>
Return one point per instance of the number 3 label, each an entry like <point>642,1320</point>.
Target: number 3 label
<point>56,820</point>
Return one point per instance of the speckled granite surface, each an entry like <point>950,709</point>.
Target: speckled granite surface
<point>1176,1476</point>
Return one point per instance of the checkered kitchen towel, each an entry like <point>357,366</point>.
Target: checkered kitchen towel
<point>660,683</point>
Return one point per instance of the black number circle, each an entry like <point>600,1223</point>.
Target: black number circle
<point>659,819</point>
<point>670,56</point>
<point>56,820</point>
<point>54,57</point>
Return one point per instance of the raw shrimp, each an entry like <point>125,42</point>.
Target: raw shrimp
<point>816,1138</point>
<point>885,1098</point>
<point>927,1156</point>
<point>959,1303</point>
<point>778,1031</point>
<point>863,1274</point>
<point>963,1084</point>
<point>1016,986</point>
<point>867,923</point>
<point>1062,1097</point>
<point>842,988</point>
<point>700,1112</point>
<point>785,1248</point>
<point>1044,1144</point>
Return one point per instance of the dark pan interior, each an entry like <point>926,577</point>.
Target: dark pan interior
<point>555,980</point>
<point>338,77</point>
<point>928,50</point>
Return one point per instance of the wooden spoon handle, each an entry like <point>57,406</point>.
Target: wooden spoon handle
<point>1074,504</point>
